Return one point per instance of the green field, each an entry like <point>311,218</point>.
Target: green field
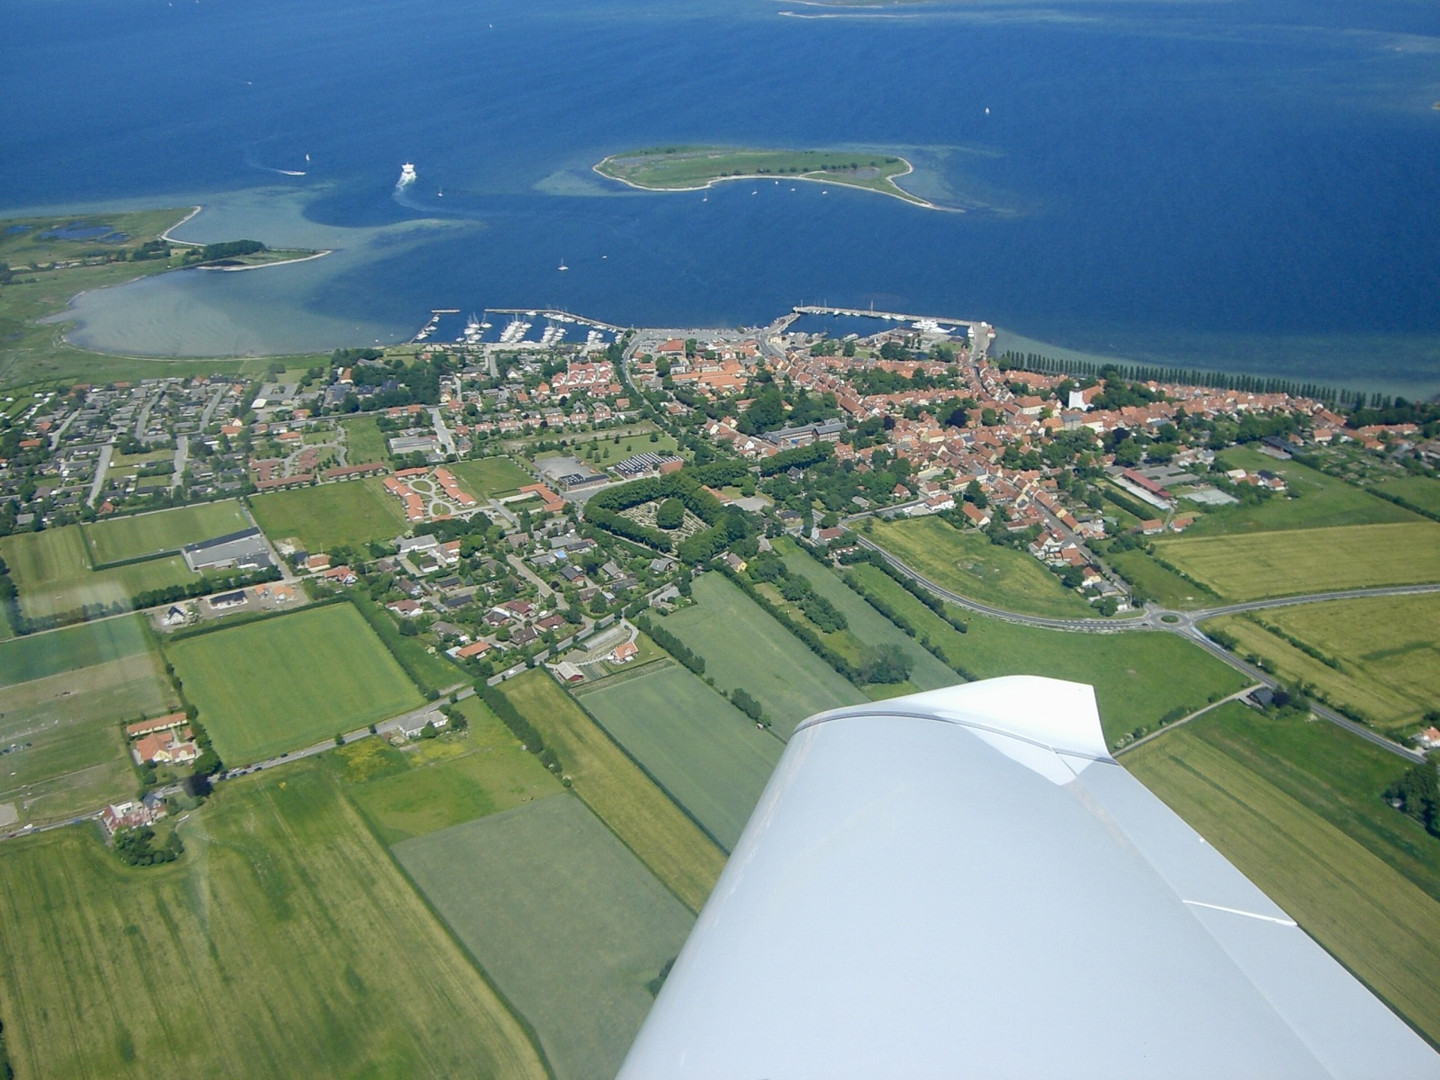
<point>683,168</point>
<point>1155,582</point>
<point>51,570</point>
<point>165,530</point>
<point>1388,649</point>
<point>431,668</point>
<point>968,564</point>
<point>364,442</point>
<point>284,943</point>
<point>435,784</point>
<point>705,752</point>
<point>488,477</point>
<point>1139,677</point>
<point>1296,808</point>
<point>868,625</point>
<point>1286,563</point>
<point>568,923</point>
<point>330,515</point>
<point>1421,491</point>
<point>593,447</point>
<point>1317,501</point>
<point>744,647</point>
<point>638,812</point>
<point>284,683</point>
<point>65,693</point>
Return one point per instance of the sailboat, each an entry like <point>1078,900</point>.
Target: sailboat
<point>563,266</point>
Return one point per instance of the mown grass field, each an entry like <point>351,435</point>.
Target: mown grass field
<point>1421,491</point>
<point>490,476</point>
<point>65,693</point>
<point>967,563</point>
<point>592,447</point>
<point>567,922</point>
<point>435,784</point>
<point>1388,649</point>
<point>868,625</point>
<point>1155,582</point>
<point>284,683</point>
<point>164,530</point>
<point>51,570</point>
<point>642,815</point>
<point>1299,814</point>
<point>432,669</point>
<point>744,647</point>
<point>705,752</point>
<point>364,441</point>
<point>284,943</point>
<point>1285,563</point>
<point>1138,677</point>
<point>330,515</point>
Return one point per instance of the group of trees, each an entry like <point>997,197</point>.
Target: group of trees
<point>672,644</point>
<point>1417,793</point>
<point>136,847</point>
<point>521,728</point>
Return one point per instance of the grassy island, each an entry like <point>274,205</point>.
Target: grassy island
<point>689,168</point>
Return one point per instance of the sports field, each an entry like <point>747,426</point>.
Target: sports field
<point>51,570</point>
<point>284,943</point>
<point>967,563</point>
<point>569,924</point>
<point>1138,677</point>
<point>638,812</point>
<point>1299,813</point>
<point>165,530</point>
<point>352,513</point>
<point>63,695</point>
<point>705,752</point>
<point>868,625</point>
<point>1289,562</point>
<point>1318,501</point>
<point>744,647</point>
<point>438,783</point>
<point>490,476</point>
<point>1388,649</point>
<point>284,683</point>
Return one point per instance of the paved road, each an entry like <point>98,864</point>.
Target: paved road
<point>1186,719</point>
<point>102,466</point>
<point>1185,624</point>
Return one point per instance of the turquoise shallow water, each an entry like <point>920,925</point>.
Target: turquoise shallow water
<point>1250,185</point>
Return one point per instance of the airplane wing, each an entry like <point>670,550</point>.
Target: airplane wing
<point>964,883</point>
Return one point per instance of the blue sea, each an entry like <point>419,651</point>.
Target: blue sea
<point>1245,185</point>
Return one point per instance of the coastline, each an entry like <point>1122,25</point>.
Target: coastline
<point>900,193</point>
<point>261,266</point>
<point>184,243</point>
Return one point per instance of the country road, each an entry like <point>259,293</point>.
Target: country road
<point>1185,624</point>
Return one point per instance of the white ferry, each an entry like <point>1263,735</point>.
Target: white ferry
<point>407,175</point>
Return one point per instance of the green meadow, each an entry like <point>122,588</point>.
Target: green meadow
<point>134,537</point>
<point>285,942</point>
<point>51,571</point>
<point>705,752</point>
<point>318,518</point>
<point>569,924</point>
<point>488,477</point>
<point>284,683</point>
<point>745,648</point>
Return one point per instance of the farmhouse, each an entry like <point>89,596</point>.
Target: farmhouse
<point>167,748</point>
<point>129,815</point>
<point>244,550</point>
<point>159,723</point>
<point>412,726</point>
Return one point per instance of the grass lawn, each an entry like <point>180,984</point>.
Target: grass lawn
<point>705,752</point>
<point>638,812</point>
<point>64,693</point>
<point>284,943</point>
<point>330,515</point>
<point>364,441</point>
<point>432,669</point>
<point>1139,677</point>
<point>744,647</point>
<point>1421,491</point>
<point>490,476</point>
<point>442,782</point>
<point>285,683</point>
<point>867,624</point>
<point>1388,649</point>
<point>568,923</point>
<point>1299,814</point>
<point>592,447</point>
<point>1284,563</point>
<point>165,530</point>
<point>1156,582</point>
<point>967,563</point>
<point>51,570</point>
<point>1318,500</point>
